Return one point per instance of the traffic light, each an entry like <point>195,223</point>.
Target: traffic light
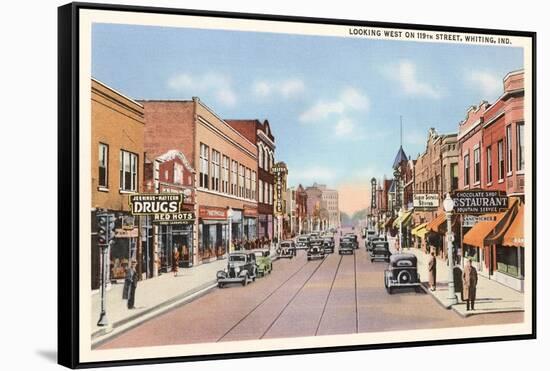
<point>105,228</point>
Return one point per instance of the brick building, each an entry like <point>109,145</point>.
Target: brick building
<point>301,209</point>
<point>226,171</point>
<point>116,159</point>
<point>260,134</point>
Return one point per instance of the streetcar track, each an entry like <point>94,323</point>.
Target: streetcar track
<point>293,297</point>
<point>328,296</point>
<point>263,301</point>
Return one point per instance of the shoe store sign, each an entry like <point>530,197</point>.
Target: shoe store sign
<point>426,201</point>
<point>479,202</point>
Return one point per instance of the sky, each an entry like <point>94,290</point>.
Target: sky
<point>334,104</point>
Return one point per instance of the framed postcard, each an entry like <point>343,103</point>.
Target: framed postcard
<point>246,185</point>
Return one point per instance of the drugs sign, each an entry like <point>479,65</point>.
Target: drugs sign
<point>479,202</point>
<point>150,204</point>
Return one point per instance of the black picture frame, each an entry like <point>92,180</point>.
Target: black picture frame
<point>69,183</point>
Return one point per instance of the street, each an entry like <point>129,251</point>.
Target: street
<point>336,295</point>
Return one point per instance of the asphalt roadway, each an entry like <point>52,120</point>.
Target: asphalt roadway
<point>336,295</point>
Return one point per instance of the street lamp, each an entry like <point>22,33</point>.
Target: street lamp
<point>229,227</point>
<point>401,229</point>
<point>448,206</point>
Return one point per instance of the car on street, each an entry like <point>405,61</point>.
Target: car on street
<point>264,264</point>
<point>347,246</point>
<point>353,237</point>
<point>328,245</point>
<point>380,251</point>
<point>286,249</point>
<point>369,243</point>
<point>241,268</point>
<point>316,250</point>
<point>402,273</point>
<point>302,242</point>
<point>369,234</point>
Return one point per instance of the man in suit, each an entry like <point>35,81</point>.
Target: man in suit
<point>469,283</point>
<point>132,279</point>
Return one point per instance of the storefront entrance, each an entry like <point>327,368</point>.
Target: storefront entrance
<point>179,236</point>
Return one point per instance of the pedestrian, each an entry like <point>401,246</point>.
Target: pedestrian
<point>175,261</point>
<point>432,270</point>
<point>132,278</point>
<point>469,283</point>
<point>126,288</point>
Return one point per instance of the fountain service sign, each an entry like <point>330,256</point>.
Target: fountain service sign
<point>479,202</point>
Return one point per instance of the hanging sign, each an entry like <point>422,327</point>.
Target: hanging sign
<point>479,202</point>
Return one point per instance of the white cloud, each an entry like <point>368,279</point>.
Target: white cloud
<point>350,99</point>
<point>218,85</point>
<point>488,83</point>
<point>405,74</point>
<point>344,127</point>
<point>287,88</point>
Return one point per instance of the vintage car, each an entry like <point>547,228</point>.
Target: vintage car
<point>316,250</point>
<point>328,245</point>
<point>347,246</point>
<point>286,249</point>
<point>264,265</point>
<point>369,243</point>
<point>302,242</point>
<point>380,250</point>
<point>353,237</point>
<point>402,273</point>
<point>241,268</point>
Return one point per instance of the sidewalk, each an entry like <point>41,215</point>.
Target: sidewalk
<point>153,296</point>
<point>491,296</point>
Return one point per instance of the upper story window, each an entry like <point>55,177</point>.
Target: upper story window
<point>509,148</point>
<point>477,165</point>
<point>128,171</point>
<point>215,170</point>
<point>225,174</point>
<point>247,183</point>
<point>260,157</point>
<point>466,170</point>
<point>266,160</point>
<point>103,163</point>
<point>241,180</point>
<point>253,191</point>
<point>520,148</point>
<point>260,191</point>
<point>204,164</point>
<point>489,165</point>
<point>500,154</point>
<point>234,166</point>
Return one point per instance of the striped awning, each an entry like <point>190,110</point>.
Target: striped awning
<point>403,219</point>
<point>420,230</point>
<point>514,236</point>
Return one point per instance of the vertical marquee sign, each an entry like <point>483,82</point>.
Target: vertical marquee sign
<point>279,172</point>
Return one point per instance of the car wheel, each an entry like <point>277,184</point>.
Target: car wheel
<point>372,260</point>
<point>390,290</point>
<point>220,285</point>
<point>245,281</point>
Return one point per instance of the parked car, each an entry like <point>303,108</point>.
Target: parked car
<point>402,273</point>
<point>264,264</point>
<point>353,237</point>
<point>302,242</point>
<point>369,243</point>
<point>286,249</point>
<point>241,268</point>
<point>316,250</point>
<point>380,251</point>
<point>369,234</point>
<point>347,246</point>
<point>328,245</point>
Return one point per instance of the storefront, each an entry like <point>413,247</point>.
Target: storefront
<point>213,232</point>
<point>404,222</point>
<point>511,254</point>
<point>175,236</point>
<point>418,234</point>
<point>250,224</point>
<point>265,226</point>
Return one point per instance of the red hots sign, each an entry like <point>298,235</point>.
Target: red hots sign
<point>479,202</point>
<point>150,204</point>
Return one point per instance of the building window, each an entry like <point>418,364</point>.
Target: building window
<point>489,165</point>
<point>509,149</point>
<point>266,160</point>
<point>261,157</point>
<point>203,181</point>
<point>253,196</point>
<point>271,194</point>
<point>467,170</point>
<point>103,180</point>
<point>477,165</point>
<point>520,146</point>
<point>128,171</point>
<point>225,174</point>
<point>215,170</point>
<point>266,193</point>
<point>178,173</point>
<point>500,160</point>
<point>234,178</point>
<point>247,183</point>
<point>241,181</point>
<point>260,191</point>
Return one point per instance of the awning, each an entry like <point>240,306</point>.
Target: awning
<point>389,222</point>
<point>476,236</point>
<point>420,230</point>
<point>435,224</point>
<point>514,236</point>
<point>403,219</point>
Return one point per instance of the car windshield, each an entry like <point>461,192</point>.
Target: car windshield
<point>237,258</point>
<point>285,245</point>
<point>259,253</point>
<point>302,239</point>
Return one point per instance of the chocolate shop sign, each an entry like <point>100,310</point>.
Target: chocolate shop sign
<point>150,204</point>
<point>480,202</point>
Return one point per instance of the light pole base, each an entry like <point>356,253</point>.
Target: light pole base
<point>452,300</point>
<point>103,321</point>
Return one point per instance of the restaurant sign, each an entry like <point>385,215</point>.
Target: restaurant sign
<point>150,204</point>
<point>426,201</point>
<point>479,202</point>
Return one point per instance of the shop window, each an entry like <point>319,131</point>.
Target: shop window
<point>508,260</point>
<point>103,165</point>
<point>520,149</point>
<point>128,171</point>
